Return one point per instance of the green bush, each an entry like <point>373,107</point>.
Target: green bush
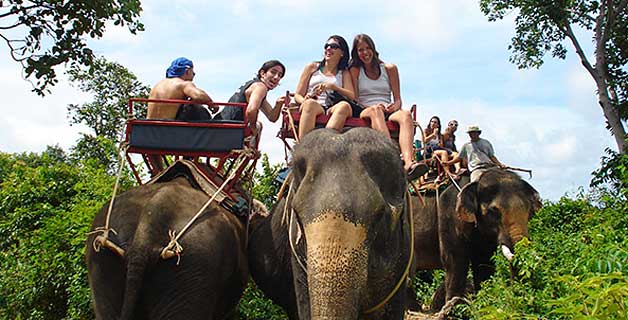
<point>47,205</point>
<point>576,267</point>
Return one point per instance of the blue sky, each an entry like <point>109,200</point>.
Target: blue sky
<point>452,63</point>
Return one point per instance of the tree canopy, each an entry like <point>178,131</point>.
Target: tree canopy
<point>542,26</point>
<point>112,85</point>
<point>42,34</point>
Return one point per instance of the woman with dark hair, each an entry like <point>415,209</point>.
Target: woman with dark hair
<point>374,82</point>
<point>434,144</point>
<point>253,92</point>
<point>320,78</point>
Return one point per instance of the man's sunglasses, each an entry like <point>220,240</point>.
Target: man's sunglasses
<point>332,46</point>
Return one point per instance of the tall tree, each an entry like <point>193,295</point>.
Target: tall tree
<point>111,85</point>
<point>41,34</point>
<point>542,26</point>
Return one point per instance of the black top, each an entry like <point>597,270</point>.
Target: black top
<point>235,113</point>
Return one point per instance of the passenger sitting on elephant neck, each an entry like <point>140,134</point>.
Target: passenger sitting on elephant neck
<point>177,85</point>
<point>477,155</point>
<point>318,78</point>
<point>374,82</point>
<point>449,142</point>
<point>253,92</point>
<point>434,145</point>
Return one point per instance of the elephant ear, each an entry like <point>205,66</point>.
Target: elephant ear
<point>467,204</point>
<point>535,198</point>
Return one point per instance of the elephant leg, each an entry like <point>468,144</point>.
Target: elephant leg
<point>438,298</point>
<point>456,279</point>
<point>482,267</point>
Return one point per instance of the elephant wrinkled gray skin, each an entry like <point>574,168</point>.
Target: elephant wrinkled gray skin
<point>492,211</point>
<point>347,221</point>
<point>212,273</point>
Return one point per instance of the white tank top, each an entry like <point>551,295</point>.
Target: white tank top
<point>318,77</point>
<point>372,92</point>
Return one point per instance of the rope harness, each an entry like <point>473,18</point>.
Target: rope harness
<point>102,240</point>
<point>403,277</point>
<point>173,248</point>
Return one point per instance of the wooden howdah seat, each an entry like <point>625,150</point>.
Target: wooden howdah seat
<point>218,148</point>
<point>291,116</point>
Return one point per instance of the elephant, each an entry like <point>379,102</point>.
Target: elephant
<point>464,228</point>
<point>338,243</point>
<point>207,281</point>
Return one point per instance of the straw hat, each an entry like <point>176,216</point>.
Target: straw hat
<point>474,128</point>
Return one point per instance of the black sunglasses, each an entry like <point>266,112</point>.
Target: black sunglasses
<point>332,46</point>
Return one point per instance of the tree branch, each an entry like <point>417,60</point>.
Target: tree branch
<point>22,9</point>
<point>610,18</point>
<point>12,49</point>
<point>13,26</point>
<point>583,58</point>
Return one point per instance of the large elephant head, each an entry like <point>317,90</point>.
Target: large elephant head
<point>348,229</point>
<point>500,203</point>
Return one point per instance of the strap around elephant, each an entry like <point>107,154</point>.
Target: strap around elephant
<point>410,258</point>
<point>102,240</point>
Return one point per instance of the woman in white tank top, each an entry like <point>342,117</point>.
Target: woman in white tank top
<point>317,79</point>
<point>374,82</point>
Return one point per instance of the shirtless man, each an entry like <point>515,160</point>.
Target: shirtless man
<point>177,85</point>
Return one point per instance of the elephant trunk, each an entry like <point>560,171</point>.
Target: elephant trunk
<point>337,266</point>
<point>516,232</point>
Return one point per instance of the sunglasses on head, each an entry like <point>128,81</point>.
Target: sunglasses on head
<point>331,46</point>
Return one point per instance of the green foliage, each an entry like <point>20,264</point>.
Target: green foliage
<point>43,34</point>
<point>99,149</point>
<point>613,171</point>
<point>266,189</point>
<point>255,306</point>
<point>46,207</point>
<point>111,85</point>
<point>576,267</point>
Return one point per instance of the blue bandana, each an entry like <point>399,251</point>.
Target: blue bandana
<point>178,66</point>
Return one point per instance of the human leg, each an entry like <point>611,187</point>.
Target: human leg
<point>339,114</point>
<point>406,134</point>
<point>376,115</point>
<point>442,156</point>
<point>310,109</point>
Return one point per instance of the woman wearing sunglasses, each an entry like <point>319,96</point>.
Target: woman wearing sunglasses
<point>253,92</point>
<point>374,82</point>
<point>319,78</point>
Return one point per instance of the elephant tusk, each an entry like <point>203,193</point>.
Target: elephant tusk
<point>507,253</point>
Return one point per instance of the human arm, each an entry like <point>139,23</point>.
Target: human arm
<point>194,93</point>
<point>256,94</point>
<point>346,89</point>
<point>491,154</point>
<point>393,76</point>
<point>355,72</point>
<point>495,161</point>
<point>430,134</point>
<point>272,113</point>
<point>301,94</point>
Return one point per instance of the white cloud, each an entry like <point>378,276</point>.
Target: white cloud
<point>429,24</point>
